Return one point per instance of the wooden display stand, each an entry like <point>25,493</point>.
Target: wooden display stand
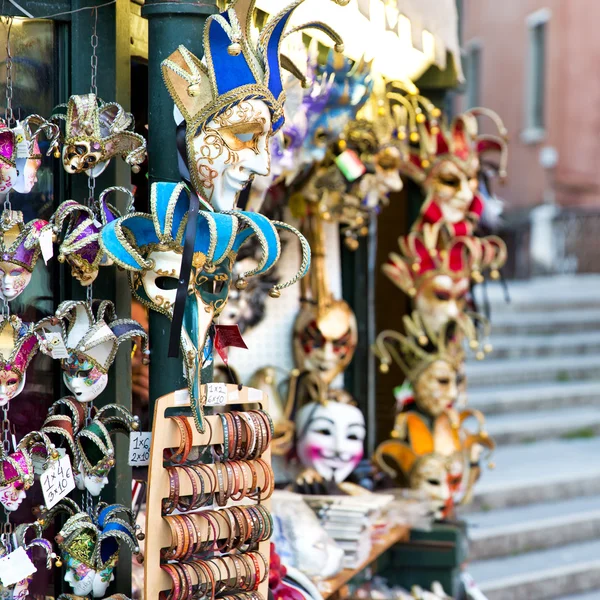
<point>165,434</point>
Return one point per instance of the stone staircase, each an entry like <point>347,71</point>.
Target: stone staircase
<point>534,524</point>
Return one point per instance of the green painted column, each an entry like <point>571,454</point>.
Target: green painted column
<point>170,23</point>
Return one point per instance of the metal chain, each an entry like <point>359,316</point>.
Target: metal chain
<point>8,110</point>
<point>6,445</point>
<point>94,59</point>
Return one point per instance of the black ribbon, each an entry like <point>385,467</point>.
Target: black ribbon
<point>188,250</point>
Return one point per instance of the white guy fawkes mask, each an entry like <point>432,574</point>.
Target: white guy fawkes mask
<point>230,149</point>
<point>330,438</point>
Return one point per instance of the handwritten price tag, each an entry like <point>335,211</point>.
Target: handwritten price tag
<point>57,481</point>
<point>56,345</point>
<point>139,448</point>
<point>216,394</point>
<point>15,567</point>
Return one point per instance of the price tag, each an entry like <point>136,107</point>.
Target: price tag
<point>216,394</point>
<point>46,244</point>
<point>15,567</point>
<point>182,398</point>
<point>56,345</point>
<point>139,448</point>
<point>21,140</point>
<point>57,481</point>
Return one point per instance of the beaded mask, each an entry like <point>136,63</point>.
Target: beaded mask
<point>95,132</point>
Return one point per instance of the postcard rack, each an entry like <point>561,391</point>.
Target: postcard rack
<point>165,435</point>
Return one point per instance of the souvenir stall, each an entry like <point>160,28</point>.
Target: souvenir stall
<point>227,441</point>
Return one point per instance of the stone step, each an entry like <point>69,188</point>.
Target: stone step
<point>551,368</point>
<point>527,427</point>
<point>546,471</point>
<point>546,294</point>
<point>522,529</point>
<point>525,346</point>
<point>540,575</point>
<point>501,399</point>
<point>560,321</point>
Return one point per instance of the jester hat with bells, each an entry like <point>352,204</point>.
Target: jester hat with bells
<point>94,442</point>
<point>234,69</point>
<point>95,132</point>
<point>150,247</point>
<point>420,452</point>
<point>427,141</point>
<point>94,338</point>
<point>93,539</point>
<point>77,228</point>
<point>18,345</point>
<point>421,353</point>
<point>20,247</point>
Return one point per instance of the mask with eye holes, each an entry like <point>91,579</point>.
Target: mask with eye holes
<point>324,343</point>
<point>81,155</point>
<point>208,291</point>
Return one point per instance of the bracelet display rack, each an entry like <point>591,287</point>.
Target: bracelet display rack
<point>166,435</point>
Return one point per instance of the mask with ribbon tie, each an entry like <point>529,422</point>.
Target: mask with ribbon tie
<point>150,248</point>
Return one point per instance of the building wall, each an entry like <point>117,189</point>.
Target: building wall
<point>572,95</point>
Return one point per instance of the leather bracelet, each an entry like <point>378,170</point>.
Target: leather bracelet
<point>174,575</point>
<point>173,499</point>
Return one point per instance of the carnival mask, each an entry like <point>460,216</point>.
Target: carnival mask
<point>15,478</point>
<point>83,378</point>
<point>325,344</point>
<point>8,157</point>
<point>430,476</point>
<point>84,580</point>
<point>94,484</point>
<point>330,438</point>
<point>425,459</point>
<point>230,149</point>
<point>81,155</point>
<point>436,388</point>
<point>441,298</point>
<point>453,189</point>
<point>28,169</point>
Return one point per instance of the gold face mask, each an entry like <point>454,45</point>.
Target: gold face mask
<point>453,190</point>
<point>325,344</point>
<point>436,388</point>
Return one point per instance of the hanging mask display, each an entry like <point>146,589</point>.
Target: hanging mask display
<point>20,247</point>
<point>90,544</point>
<point>95,132</point>
<point>29,155</point>
<point>8,158</point>
<point>330,436</point>
<point>16,477</point>
<point>150,247</point>
<point>22,538</point>
<point>446,160</point>
<point>18,345</point>
<point>438,279</point>
<point>96,449</point>
<point>350,90</point>
<point>91,342</point>
<point>77,228</point>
